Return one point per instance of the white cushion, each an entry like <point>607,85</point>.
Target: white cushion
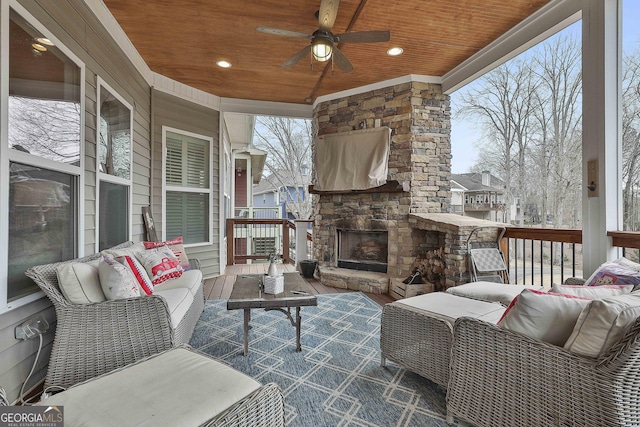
<point>80,282</point>
<point>490,291</point>
<point>190,279</point>
<point>602,291</point>
<point>178,300</point>
<point>116,280</point>
<point>543,316</point>
<point>175,388</point>
<point>602,323</point>
<point>447,307</point>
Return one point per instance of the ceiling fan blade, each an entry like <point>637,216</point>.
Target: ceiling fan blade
<point>328,13</point>
<point>341,61</point>
<point>297,57</point>
<point>279,32</point>
<point>363,37</point>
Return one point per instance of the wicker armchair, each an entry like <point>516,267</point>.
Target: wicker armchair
<point>501,378</point>
<point>93,339</point>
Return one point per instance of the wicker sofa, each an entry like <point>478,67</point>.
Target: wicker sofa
<point>502,378</point>
<point>93,339</point>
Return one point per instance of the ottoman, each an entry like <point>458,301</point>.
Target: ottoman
<point>179,387</point>
<point>417,332</point>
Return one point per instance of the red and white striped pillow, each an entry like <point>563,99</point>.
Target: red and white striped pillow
<point>138,271</point>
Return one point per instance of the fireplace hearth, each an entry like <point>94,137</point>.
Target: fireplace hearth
<point>363,250</point>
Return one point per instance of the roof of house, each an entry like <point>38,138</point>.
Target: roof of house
<point>279,179</point>
<point>473,182</point>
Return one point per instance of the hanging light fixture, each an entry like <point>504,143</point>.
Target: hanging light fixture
<point>321,50</point>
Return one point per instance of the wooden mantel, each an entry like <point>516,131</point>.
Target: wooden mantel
<point>389,187</point>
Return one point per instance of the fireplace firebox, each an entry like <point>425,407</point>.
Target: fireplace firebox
<point>363,250</point>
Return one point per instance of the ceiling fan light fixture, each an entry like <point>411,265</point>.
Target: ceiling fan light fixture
<point>321,51</point>
<point>45,41</point>
<point>38,47</point>
<point>223,64</point>
<point>395,51</point>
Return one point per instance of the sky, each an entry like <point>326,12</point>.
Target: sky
<point>464,133</point>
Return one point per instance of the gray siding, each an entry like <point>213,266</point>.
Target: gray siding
<point>177,113</point>
<point>79,30</point>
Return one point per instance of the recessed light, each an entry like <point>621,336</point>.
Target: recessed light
<point>395,51</point>
<point>224,64</point>
<point>38,47</point>
<point>45,41</point>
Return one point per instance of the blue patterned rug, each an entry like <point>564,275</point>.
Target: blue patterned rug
<point>337,379</point>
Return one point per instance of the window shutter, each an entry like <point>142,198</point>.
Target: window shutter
<point>174,160</point>
<point>197,171</point>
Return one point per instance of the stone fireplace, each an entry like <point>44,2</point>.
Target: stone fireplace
<point>419,171</point>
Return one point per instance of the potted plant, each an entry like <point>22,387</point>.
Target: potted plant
<point>308,267</point>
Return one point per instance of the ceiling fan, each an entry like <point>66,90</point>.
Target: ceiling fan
<point>323,41</point>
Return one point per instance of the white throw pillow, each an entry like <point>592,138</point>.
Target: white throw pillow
<point>543,316</point>
<point>116,280</point>
<point>139,273</point>
<point>602,291</point>
<point>79,282</point>
<point>602,323</point>
<point>490,291</point>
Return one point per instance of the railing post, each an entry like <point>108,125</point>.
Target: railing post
<point>301,240</point>
<point>285,241</point>
<point>231,242</point>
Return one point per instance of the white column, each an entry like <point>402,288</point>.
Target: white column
<point>301,240</point>
<point>601,124</point>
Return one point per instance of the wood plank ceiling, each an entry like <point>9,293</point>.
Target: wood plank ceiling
<point>183,39</point>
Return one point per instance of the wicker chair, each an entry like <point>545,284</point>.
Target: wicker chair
<point>93,339</point>
<point>501,378</point>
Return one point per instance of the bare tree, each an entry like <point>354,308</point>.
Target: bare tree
<point>287,142</point>
<point>559,118</point>
<point>631,139</point>
<point>502,102</point>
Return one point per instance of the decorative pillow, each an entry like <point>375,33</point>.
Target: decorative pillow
<point>139,273</point>
<point>602,323</point>
<point>490,291</point>
<point>116,280</point>
<point>80,282</point>
<point>602,291</point>
<point>176,246</point>
<point>132,250</point>
<point>543,316</point>
<point>160,264</point>
<point>614,273</point>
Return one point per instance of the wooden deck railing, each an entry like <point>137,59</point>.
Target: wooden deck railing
<point>546,255</point>
<point>254,239</point>
<point>542,256</point>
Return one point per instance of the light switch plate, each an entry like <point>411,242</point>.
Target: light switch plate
<point>593,186</point>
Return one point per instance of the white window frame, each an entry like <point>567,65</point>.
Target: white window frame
<point>8,155</point>
<point>181,189</point>
<point>102,176</point>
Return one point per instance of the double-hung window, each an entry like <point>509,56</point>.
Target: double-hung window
<point>114,133</point>
<point>187,180</point>
<point>40,155</point>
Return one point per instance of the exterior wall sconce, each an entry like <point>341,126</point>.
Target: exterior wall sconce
<point>592,178</point>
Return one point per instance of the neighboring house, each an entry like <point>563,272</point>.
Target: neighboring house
<point>284,190</point>
<point>480,195</point>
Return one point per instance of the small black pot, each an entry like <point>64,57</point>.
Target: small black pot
<point>308,267</point>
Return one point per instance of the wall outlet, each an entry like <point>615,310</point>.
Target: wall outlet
<point>32,328</point>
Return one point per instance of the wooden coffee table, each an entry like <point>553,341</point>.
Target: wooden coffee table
<point>248,293</point>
